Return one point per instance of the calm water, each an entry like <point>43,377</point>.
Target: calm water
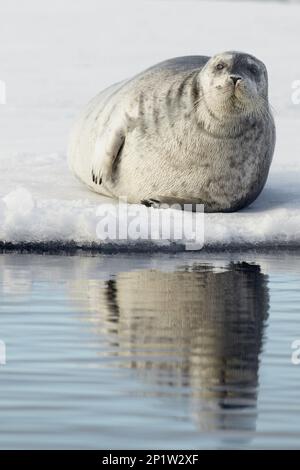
<point>185,351</point>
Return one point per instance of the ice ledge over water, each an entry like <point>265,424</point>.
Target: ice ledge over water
<point>30,215</point>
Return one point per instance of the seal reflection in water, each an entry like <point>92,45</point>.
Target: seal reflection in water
<point>192,129</point>
<point>198,329</point>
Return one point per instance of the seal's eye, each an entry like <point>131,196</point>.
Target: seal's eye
<point>253,69</point>
<point>220,66</point>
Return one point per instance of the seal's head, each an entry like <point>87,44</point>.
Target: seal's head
<point>234,83</point>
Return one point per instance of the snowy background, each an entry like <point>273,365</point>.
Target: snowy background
<point>55,56</point>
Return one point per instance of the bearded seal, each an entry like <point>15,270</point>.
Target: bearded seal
<point>191,129</point>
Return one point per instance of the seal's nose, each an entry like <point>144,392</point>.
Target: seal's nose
<point>235,78</point>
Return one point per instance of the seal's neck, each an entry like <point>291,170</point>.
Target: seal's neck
<point>230,125</point>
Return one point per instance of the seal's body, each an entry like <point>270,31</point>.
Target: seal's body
<point>190,129</point>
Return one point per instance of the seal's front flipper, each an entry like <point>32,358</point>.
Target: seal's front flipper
<point>171,202</point>
<point>107,149</point>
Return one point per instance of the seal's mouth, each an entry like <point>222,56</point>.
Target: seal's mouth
<point>233,93</point>
<point>236,99</point>
<point>233,96</point>
<point>238,93</point>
